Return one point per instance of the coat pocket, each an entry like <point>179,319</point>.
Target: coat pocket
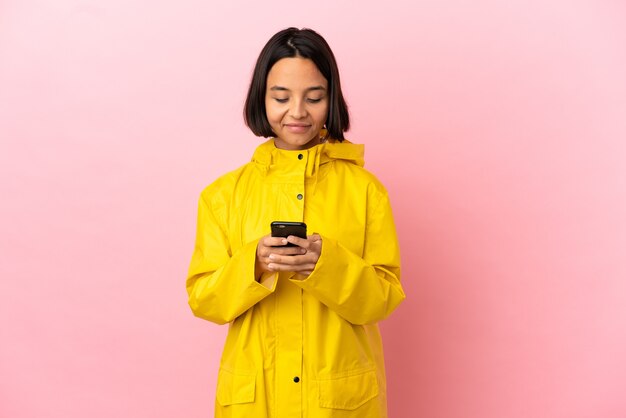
<point>348,392</point>
<point>235,387</point>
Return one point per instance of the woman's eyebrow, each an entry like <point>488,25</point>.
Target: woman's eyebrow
<point>281,88</point>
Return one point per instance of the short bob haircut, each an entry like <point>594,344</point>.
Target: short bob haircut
<point>290,43</point>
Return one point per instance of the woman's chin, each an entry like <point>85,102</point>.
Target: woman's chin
<point>296,142</point>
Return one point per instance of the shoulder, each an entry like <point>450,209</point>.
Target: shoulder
<point>348,163</point>
<point>223,188</point>
<point>220,191</point>
<point>358,176</point>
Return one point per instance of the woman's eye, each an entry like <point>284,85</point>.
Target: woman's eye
<point>314,100</point>
<point>280,100</point>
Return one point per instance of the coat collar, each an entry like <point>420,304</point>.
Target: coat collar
<point>268,156</point>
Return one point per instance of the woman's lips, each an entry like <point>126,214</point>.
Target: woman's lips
<point>297,128</point>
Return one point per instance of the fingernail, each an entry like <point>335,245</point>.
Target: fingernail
<point>272,256</point>
<point>284,241</point>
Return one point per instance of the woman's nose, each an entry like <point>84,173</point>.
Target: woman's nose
<point>298,109</point>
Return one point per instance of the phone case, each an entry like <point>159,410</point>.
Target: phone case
<point>285,228</point>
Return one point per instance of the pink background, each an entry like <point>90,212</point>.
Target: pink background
<point>499,128</point>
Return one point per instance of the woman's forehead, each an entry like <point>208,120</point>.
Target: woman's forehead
<point>295,73</point>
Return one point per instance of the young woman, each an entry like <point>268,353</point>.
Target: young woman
<point>303,339</point>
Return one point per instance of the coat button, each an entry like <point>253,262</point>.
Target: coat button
<point>296,379</point>
<point>299,196</point>
<point>300,156</point>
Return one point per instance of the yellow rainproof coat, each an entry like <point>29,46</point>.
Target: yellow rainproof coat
<point>298,348</point>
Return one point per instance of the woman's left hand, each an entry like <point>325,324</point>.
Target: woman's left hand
<point>301,264</point>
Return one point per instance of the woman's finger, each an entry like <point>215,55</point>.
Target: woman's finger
<point>290,260</point>
<point>300,242</point>
<point>269,241</point>
<point>300,269</point>
<point>286,251</point>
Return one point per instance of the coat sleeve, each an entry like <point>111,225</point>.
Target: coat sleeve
<point>221,284</point>
<point>365,289</point>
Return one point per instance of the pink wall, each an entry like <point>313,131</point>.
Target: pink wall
<point>498,127</point>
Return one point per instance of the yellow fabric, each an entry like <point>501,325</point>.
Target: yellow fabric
<point>323,329</point>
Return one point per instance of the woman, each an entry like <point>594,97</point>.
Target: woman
<point>303,339</point>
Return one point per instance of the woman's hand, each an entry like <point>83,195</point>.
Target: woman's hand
<point>300,259</point>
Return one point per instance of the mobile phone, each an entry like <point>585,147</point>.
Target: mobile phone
<point>284,229</point>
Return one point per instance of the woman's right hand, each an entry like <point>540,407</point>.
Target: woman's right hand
<point>272,245</point>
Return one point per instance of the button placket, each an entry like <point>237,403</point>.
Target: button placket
<point>300,196</point>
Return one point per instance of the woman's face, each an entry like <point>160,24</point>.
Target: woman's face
<point>296,103</point>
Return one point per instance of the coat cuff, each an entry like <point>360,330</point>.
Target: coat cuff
<point>333,264</point>
<point>246,257</point>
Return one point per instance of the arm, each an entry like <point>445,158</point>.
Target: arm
<point>361,289</point>
<point>222,285</point>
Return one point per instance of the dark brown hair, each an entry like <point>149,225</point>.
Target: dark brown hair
<point>289,43</point>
